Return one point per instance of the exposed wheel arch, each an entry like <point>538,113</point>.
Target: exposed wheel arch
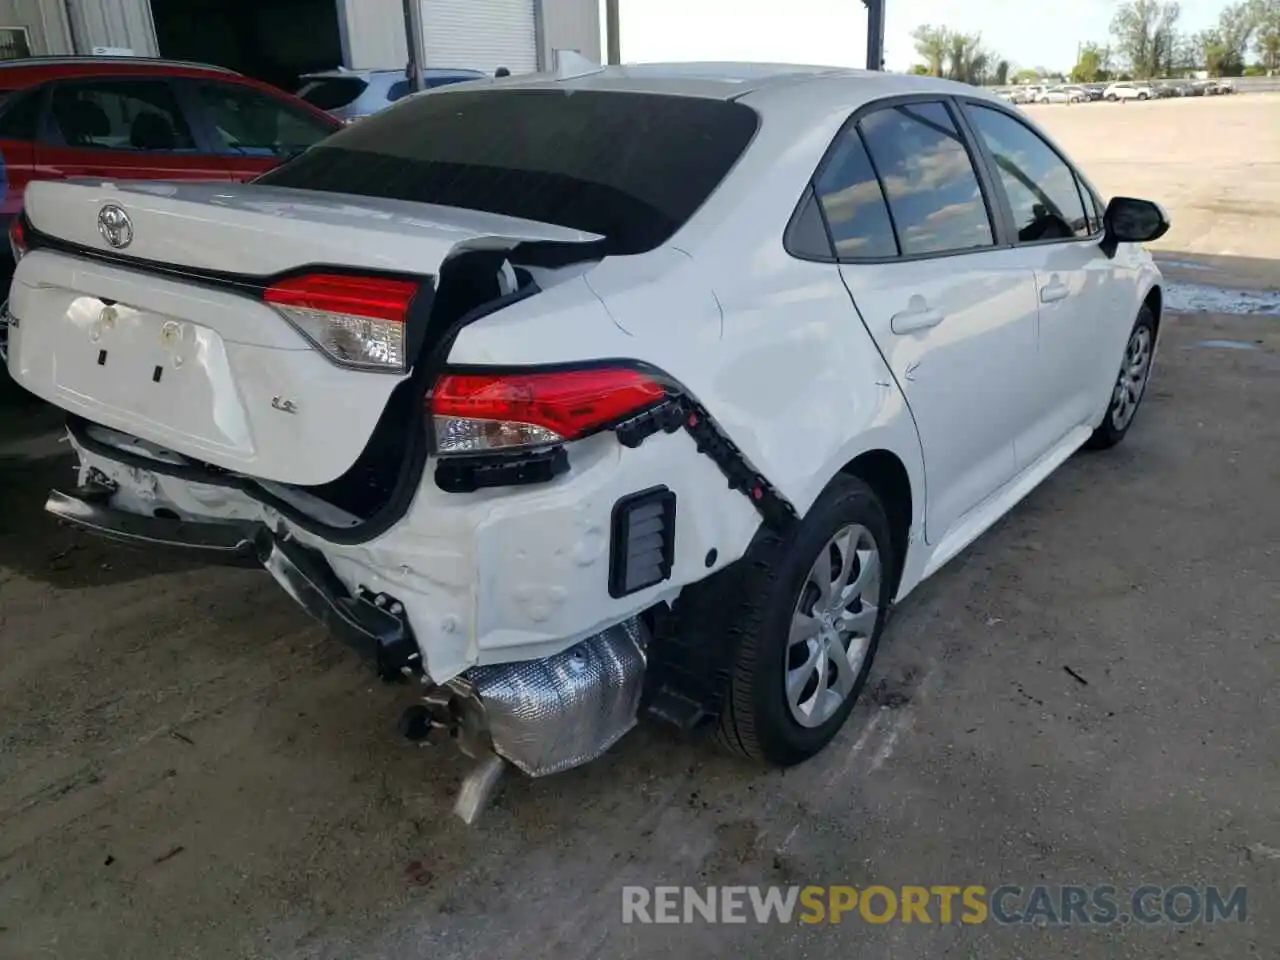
<point>885,473</point>
<point>1155,302</point>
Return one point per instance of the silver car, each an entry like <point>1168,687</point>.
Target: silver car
<point>352,94</point>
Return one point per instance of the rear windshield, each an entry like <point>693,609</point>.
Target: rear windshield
<point>630,166</point>
<point>332,93</point>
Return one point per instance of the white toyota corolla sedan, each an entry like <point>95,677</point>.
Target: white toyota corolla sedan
<point>570,398</point>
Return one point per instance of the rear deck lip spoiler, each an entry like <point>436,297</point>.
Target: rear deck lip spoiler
<point>367,624</point>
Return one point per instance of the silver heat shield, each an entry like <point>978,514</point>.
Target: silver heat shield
<point>549,715</point>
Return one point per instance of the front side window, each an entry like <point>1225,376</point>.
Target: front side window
<point>246,121</point>
<point>929,179</point>
<point>853,202</point>
<point>1041,187</point>
<point>120,115</point>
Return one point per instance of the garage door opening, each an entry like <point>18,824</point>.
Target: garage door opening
<point>273,40</point>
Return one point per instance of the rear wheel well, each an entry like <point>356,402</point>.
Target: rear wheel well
<point>885,474</point>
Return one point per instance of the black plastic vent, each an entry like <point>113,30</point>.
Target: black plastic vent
<point>644,540</point>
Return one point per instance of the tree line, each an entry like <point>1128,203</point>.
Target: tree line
<point>1145,43</point>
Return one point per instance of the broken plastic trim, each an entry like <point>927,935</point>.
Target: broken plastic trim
<point>680,411</point>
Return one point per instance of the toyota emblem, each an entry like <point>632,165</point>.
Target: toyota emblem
<point>115,226</point>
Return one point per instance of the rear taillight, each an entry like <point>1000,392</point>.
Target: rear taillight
<point>477,413</point>
<point>358,321</point>
<point>18,238</point>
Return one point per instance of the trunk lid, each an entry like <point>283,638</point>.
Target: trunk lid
<point>167,337</point>
<point>260,230</point>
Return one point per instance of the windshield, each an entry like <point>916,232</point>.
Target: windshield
<point>633,167</point>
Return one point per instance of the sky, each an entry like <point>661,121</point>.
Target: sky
<point>834,31</point>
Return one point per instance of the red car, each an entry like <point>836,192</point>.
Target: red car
<point>139,119</point>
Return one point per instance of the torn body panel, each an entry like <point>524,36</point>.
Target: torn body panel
<point>492,576</point>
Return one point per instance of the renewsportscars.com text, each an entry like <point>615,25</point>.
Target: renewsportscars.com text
<point>1101,905</point>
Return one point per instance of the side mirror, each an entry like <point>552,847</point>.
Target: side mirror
<point>1129,220</point>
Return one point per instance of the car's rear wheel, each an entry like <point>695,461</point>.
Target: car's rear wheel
<point>1130,385</point>
<point>808,625</point>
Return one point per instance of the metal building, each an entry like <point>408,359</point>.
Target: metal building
<point>279,39</point>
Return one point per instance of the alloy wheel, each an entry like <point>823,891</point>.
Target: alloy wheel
<point>1132,382</point>
<point>832,625</point>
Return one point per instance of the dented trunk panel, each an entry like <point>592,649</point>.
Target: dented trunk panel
<point>202,366</point>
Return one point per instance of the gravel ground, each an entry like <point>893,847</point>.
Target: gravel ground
<point>189,768</point>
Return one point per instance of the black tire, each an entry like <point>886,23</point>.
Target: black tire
<point>756,721</point>
<point>1107,435</point>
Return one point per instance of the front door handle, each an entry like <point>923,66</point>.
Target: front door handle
<point>910,321</point>
<point>1054,291</point>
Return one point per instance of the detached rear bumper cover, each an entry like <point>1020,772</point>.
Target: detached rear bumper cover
<point>370,625</point>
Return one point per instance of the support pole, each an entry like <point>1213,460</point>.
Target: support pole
<point>875,34</point>
<point>613,31</point>
<point>413,40</point>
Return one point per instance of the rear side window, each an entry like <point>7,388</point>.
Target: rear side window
<point>929,179</point>
<point>120,115</point>
<point>632,167</point>
<point>20,118</point>
<point>332,93</point>
<point>853,202</point>
<point>1042,189</point>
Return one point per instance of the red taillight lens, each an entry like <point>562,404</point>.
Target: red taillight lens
<point>18,238</point>
<point>357,321</point>
<point>485,412</point>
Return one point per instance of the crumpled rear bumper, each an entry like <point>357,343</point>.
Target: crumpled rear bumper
<point>543,716</point>
<point>371,625</point>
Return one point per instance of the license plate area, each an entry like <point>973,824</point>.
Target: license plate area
<point>152,369</point>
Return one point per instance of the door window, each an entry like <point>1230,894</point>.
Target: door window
<point>933,191</point>
<point>249,122</point>
<point>21,117</point>
<point>853,202</point>
<point>120,115</point>
<point>1041,187</point>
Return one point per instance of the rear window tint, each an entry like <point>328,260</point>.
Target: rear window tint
<point>332,93</point>
<point>632,167</point>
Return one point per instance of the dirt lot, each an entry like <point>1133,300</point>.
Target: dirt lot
<point>189,768</point>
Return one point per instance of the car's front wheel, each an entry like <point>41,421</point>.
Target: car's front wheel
<point>1130,385</point>
<point>808,623</point>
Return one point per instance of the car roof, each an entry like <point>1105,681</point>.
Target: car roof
<point>381,72</point>
<point>30,71</point>
<point>735,80</point>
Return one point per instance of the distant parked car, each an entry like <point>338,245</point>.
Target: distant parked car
<point>1223,86</point>
<point>1065,94</point>
<point>1128,91</point>
<point>126,118</point>
<point>352,94</point>
<point>130,118</point>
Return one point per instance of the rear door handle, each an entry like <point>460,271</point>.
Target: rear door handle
<point>1055,290</point>
<point>910,321</point>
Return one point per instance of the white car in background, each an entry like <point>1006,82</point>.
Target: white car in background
<point>647,389</point>
<point>1128,91</point>
<point>1064,94</point>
